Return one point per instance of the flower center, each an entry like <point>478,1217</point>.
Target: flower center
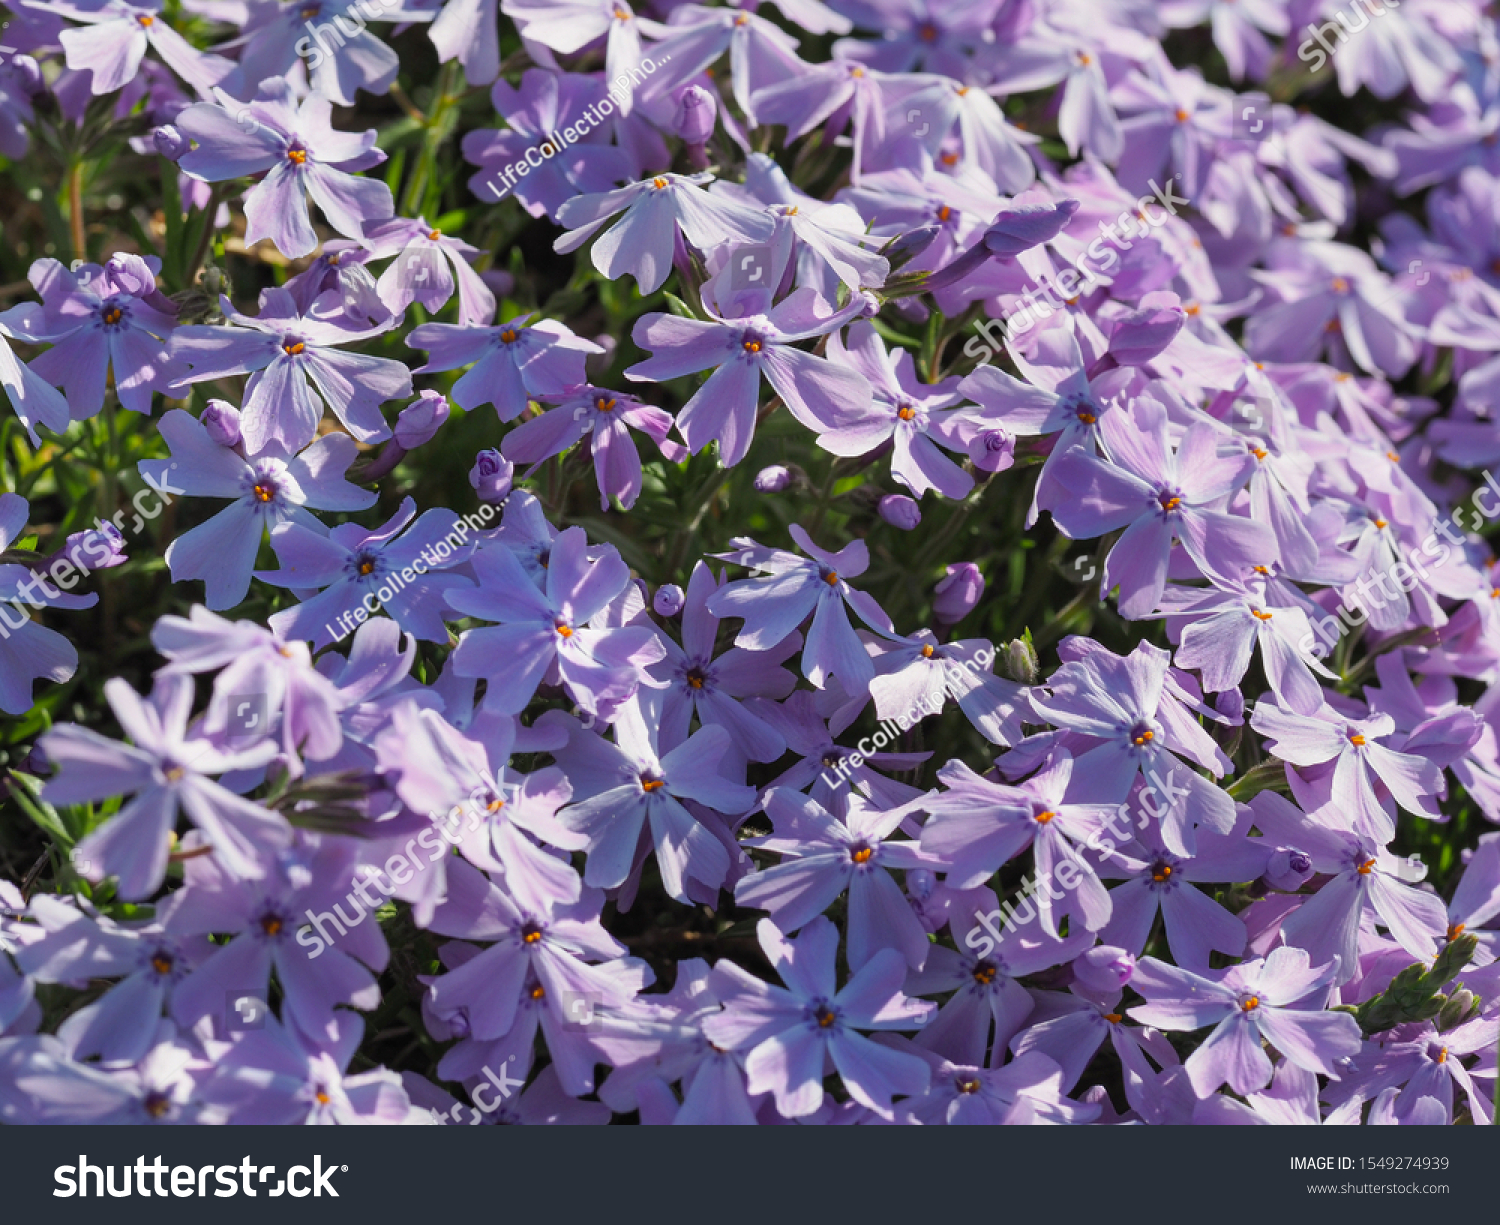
<point>173,773</point>
<point>322,1098</point>
<point>1161,873</point>
<point>752,346</point>
<point>984,973</point>
<point>1455,931</point>
<point>531,933</point>
<point>1250,1004</point>
<point>271,925</point>
<point>604,404</point>
<point>1169,500</point>
<point>695,678</point>
<point>508,336</point>
<point>161,963</point>
<point>434,235</point>
<point>298,157</point>
<point>263,492</point>
<point>825,1016</point>
<point>831,577</point>
<point>113,316</point>
<point>906,412</point>
<point>564,630</point>
<point>539,992</point>
<point>157,1103</point>
<point>1367,867</point>
<point>658,182</point>
<point>1356,740</point>
<point>860,852</point>
<point>1142,736</point>
<point>651,784</point>
<point>944,212</point>
<point>1086,417</point>
<point>1260,616</point>
<point>927,651</point>
<point>1114,1018</point>
<point>1045,816</point>
<point>292,347</point>
<point>968,1084</point>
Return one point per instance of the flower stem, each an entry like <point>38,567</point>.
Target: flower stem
<point>75,210</point>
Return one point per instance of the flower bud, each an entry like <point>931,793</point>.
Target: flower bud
<point>906,247</point>
<point>1021,663</point>
<point>101,548</point>
<point>132,274</point>
<point>27,74</point>
<point>668,600</point>
<point>957,593</point>
<point>492,476</point>
<point>1289,869</point>
<point>697,114</point>
<point>1457,1010</point>
<point>222,421</point>
<point>35,763</point>
<point>993,450</point>
<point>169,142</point>
<point>419,420</point>
<point>773,479</point>
<point>1104,969</point>
<point>900,511</point>
<point>1141,334</point>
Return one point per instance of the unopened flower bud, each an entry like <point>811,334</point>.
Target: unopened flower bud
<point>1456,1011</point>
<point>900,511</point>
<point>697,114</point>
<point>906,247</point>
<point>1104,969</point>
<point>492,476</point>
<point>773,479</point>
<point>957,593</point>
<point>169,142</point>
<point>993,450</point>
<point>35,763</point>
<point>132,274</point>
<point>1289,869</point>
<point>1021,663</point>
<point>101,548</point>
<point>668,600</point>
<point>1141,334</point>
<point>419,420</point>
<point>222,422</point>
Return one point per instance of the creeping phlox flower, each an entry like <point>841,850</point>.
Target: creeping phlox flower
<point>499,770</point>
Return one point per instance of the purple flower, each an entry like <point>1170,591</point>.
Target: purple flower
<point>602,416</point>
<point>822,857</point>
<point>418,423</point>
<point>900,511</point>
<point>165,769</point>
<point>631,788</point>
<point>303,155</point>
<point>114,41</point>
<point>1159,496</point>
<point>821,395</point>
<point>546,633</point>
<point>97,321</point>
<point>711,687</point>
<point>426,266</point>
<point>1275,999</point>
<point>545,103</point>
<point>269,488</point>
<point>668,600</point>
<point>791,1031</point>
<point>29,651</point>
<point>295,370</point>
<point>1358,761</point>
<point>792,589</point>
<point>390,568</point>
<point>656,209</point>
<point>512,362</point>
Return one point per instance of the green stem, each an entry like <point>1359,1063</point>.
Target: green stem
<point>75,211</point>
